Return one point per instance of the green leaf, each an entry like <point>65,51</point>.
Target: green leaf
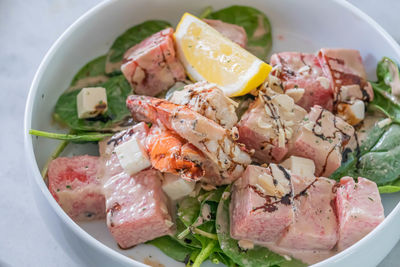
<point>129,38</point>
<point>378,159</point>
<point>255,23</point>
<point>259,256</point>
<point>349,168</point>
<point>172,248</point>
<point>383,70</point>
<point>92,74</point>
<point>189,240</point>
<point>387,189</point>
<point>188,210</point>
<point>384,101</point>
<point>244,103</point>
<point>117,89</point>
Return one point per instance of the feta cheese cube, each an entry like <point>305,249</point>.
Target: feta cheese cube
<point>91,102</point>
<point>300,166</point>
<point>176,187</point>
<point>352,113</point>
<point>132,156</point>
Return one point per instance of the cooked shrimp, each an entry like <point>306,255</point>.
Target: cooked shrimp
<point>208,136</point>
<point>208,100</point>
<point>171,153</point>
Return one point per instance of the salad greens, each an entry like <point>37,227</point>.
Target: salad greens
<point>117,89</point>
<point>129,38</point>
<point>255,23</point>
<point>259,256</point>
<point>384,100</point>
<point>92,74</point>
<point>172,248</point>
<point>378,156</point>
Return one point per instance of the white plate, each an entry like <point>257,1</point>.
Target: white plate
<point>297,25</point>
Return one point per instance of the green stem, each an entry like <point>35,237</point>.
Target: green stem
<point>198,231</point>
<point>207,11</point>
<point>183,233</point>
<point>204,253</point>
<point>60,148</point>
<point>204,233</point>
<point>193,257</point>
<point>394,119</point>
<point>89,137</point>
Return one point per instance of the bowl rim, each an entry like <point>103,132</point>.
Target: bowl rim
<point>93,242</point>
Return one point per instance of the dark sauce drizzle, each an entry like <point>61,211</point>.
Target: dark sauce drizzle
<point>349,78</point>
<point>271,202</point>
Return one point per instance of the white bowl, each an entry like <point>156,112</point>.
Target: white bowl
<point>300,25</point>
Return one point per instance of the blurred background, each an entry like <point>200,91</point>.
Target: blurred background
<point>27,30</point>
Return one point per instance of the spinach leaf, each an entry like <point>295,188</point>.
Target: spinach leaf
<point>199,230</point>
<point>129,38</point>
<point>377,159</point>
<point>390,188</point>
<point>244,103</point>
<point>259,256</point>
<point>117,89</point>
<point>188,210</point>
<point>92,74</point>
<point>384,73</point>
<point>189,240</point>
<point>255,23</point>
<point>384,100</point>
<point>172,248</point>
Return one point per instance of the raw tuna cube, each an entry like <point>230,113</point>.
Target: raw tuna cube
<point>110,165</point>
<point>268,125</point>
<point>359,210</point>
<point>75,186</point>
<point>152,66</point>
<point>345,70</point>
<point>136,208</point>
<point>302,70</point>
<point>233,32</point>
<point>321,138</point>
<point>208,100</point>
<point>261,205</point>
<point>315,224</point>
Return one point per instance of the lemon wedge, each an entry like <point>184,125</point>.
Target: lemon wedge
<point>209,56</point>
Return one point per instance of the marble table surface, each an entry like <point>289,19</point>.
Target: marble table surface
<point>27,30</point>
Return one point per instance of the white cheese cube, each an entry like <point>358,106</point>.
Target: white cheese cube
<point>91,102</point>
<point>358,109</point>
<point>352,113</point>
<point>132,156</point>
<point>302,167</point>
<point>175,187</point>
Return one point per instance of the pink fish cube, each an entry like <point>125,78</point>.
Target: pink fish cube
<point>75,186</point>
<point>359,210</point>
<point>152,66</point>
